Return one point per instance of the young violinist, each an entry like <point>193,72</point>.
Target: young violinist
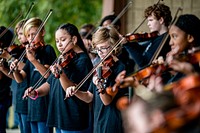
<point>72,114</point>
<point>123,55</point>
<point>107,117</point>
<point>5,82</point>
<point>40,56</point>
<point>183,38</point>
<point>22,105</point>
<point>158,19</point>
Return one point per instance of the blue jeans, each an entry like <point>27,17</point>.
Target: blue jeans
<point>24,125</point>
<point>40,127</point>
<point>66,131</point>
<point>3,113</point>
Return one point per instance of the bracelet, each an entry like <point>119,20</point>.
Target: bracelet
<point>34,98</point>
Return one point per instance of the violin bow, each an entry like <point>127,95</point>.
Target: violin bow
<point>157,52</point>
<point>115,20</point>
<point>16,18</point>
<point>38,30</point>
<point>82,82</point>
<point>124,10</point>
<point>159,48</point>
<point>26,17</point>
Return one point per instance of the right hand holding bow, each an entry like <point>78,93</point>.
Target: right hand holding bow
<point>14,65</point>
<point>33,94</point>
<point>70,91</point>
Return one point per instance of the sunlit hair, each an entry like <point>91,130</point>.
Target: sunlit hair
<point>103,34</point>
<point>32,22</point>
<point>73,31</point>
<point>20,25</point>
<point>159,10</point>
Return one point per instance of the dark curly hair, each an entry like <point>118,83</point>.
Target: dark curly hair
<point>159,10</point>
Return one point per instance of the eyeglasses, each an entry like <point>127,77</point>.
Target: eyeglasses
<point>103,50</point>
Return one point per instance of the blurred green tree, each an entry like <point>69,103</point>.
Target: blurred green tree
<point>77,12</point>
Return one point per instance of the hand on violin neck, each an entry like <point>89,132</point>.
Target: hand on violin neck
<point>30,53</point>
<point>14,65</point>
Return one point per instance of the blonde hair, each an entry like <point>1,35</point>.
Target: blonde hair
<point>32,22</point>
<point>20,25</point>
<point>107,33</point>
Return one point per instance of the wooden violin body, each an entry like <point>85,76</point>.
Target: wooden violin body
<point>64,60</point>
<point>15,50</point>
<point>103,72</point>
<point>141,37</point>
<point>186,92</point>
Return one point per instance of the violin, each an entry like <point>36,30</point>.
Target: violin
<point>140,76</point>
<point>103,72</point>
<point>141,37</point>
<point>188,110</point>
<point>192,58</point>
<point>38,45</point>
<point>176,118</point>
<point>65,60</point>
<point>105,69</point>
<point>15,50</point>
<point>186,83</point>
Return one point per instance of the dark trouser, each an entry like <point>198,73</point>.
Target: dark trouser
<point>3,113</point>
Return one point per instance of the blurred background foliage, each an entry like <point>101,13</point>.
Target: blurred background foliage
<point>77,12</point>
